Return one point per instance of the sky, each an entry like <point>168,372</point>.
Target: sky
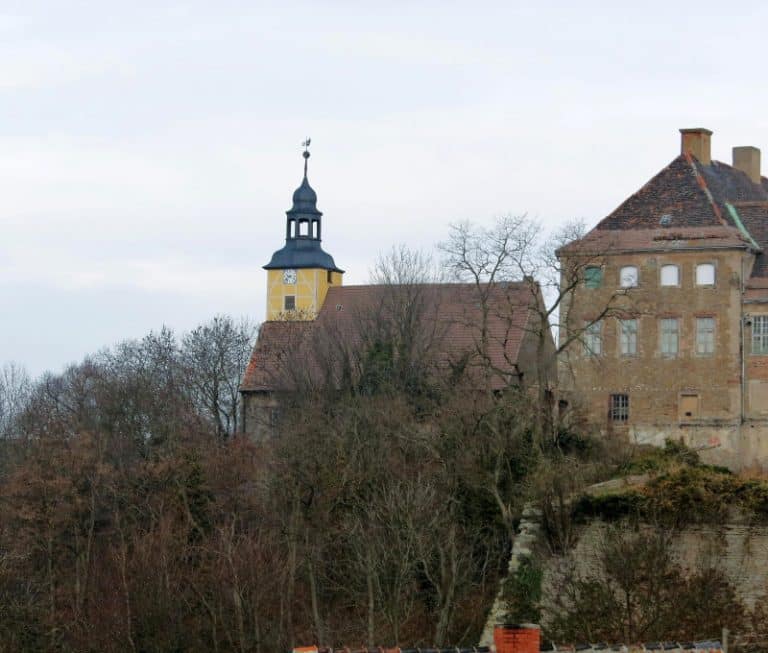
<point>149,150</point>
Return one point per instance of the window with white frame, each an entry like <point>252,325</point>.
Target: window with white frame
<point>670,336</point>
<point>705,274</point>
<point>760,334</point>
<point>593,339</point>
<point>670,275</point>
<point>628,276</point>
<point>619,408</point>
<point>628,337</point>
<point>705,335</point>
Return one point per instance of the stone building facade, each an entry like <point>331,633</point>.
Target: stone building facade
<point>671,309</point>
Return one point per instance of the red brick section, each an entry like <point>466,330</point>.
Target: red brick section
<point>450,314</point>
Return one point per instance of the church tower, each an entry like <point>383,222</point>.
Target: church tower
<point>299,274</point>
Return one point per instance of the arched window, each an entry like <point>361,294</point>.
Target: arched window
<point>628,276</point>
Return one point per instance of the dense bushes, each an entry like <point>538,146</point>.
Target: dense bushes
<point>679,491</point>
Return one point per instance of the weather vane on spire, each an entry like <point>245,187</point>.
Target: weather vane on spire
<point>305,145</point>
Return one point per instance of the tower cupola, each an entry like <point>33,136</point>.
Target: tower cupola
<point>303,231</point>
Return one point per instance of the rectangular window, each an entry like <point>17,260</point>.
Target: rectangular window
<point>593,339</point>
<point>329,276</point>
<point>705,335</point>
<point>760,334</point>
<point>628,337</point>
<point>670,275</point>
<point>670,336</point>
<point>593,276</point>
<point>705,274</point>
<point>628,276</point>
<point>619,408</point>
<point>290,302</point>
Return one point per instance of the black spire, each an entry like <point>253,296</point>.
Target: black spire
<point>302,230</point>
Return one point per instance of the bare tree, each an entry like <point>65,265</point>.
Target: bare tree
<point>15,389</point>
<point>639,591</point>
<point>515,248</point>
<point>214,356</point>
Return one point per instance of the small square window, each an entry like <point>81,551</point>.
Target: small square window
<point>593,276</point>
<point>670,275</point>
<point>628,276</point>
<point>705,274</point>
<point>290,303</point>
<point>619,411</point>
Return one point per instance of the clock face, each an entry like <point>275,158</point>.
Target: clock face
<point>289,276</point>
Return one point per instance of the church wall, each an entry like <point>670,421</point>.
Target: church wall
<point>260,411</point>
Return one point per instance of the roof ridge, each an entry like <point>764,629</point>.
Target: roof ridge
<point>703,185</point>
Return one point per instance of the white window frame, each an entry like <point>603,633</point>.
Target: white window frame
<point>701,266</point>
<point>705,347</point>
<point>628,338</point>
<point>663,332</point>
<point>627,281</point>
<point>668,266</point>
<point>593,339</point>
<point>759,335</point>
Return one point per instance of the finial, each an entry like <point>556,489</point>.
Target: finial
<point>305,154</point>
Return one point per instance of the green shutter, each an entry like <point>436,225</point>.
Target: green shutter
<point>593,277</point>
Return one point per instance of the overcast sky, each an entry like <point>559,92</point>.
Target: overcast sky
<point>149,150</point>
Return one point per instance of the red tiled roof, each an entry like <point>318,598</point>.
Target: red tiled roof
<point>697,203</point>
<point>449,318</point>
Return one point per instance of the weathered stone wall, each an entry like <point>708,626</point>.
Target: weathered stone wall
<point>741,551</point>
<point>736,446</point>
<point>525,541</point>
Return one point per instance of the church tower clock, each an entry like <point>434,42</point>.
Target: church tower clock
<point>299,274</point>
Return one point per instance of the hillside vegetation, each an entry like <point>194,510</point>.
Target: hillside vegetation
<point>132,519</point>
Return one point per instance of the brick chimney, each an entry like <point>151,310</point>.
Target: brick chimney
<point>697,142</point>
<point>747,159</point>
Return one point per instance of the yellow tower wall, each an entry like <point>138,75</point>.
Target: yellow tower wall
<point>310,290</point>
